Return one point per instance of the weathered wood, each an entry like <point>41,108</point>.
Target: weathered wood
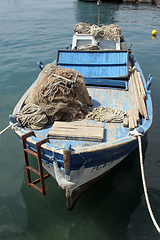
<point>141,85</point>
<point>141,99</point>
<point>77,130</point>
<point>135,91</point>
<point>66,159</point>
<point>136,81</point>
<point>126,122</point>
<point>133,103</point>
<point>143,107</point>
<point>78,124</point>
<point>131,120</point>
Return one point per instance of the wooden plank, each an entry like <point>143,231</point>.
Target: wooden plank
<point>77,131</point>
<point>131,120</point>
<point>126,122</point>
<point>133,103</point>
<point>139,81</point>
<point>136,81</point>
<point>78,124</point>
<point>141,99</point>
<point>143,107</point>
<point>93,64</point>
<point>141,85</point>
<point>114,83</point>
<point>135,92</point>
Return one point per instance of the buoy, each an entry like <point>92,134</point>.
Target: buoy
<point>154,32</point>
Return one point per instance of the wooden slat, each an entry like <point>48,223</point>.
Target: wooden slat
<point>113,83</point>
<point>78,124</point>
<point>141,85</point>
<point>133,103</point>
<point>77,130</point>
<point>131,120</point>
<point>91,63</point>
<point>135,92</point>
<point>126,122</point>
<point>141,99</point>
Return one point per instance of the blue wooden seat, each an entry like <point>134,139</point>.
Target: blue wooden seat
<point>107,68</point>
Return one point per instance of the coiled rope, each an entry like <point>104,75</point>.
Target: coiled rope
<point>105,114</point>
<point>144,185</point>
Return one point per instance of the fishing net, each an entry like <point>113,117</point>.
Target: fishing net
<point>89,47</point>
<point>58,94</point>
<point>112,31</point>
<point>82,28</point>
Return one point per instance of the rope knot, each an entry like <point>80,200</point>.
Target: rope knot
<point>136,132</point>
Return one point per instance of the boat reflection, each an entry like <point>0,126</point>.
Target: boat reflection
<point>88,12</point>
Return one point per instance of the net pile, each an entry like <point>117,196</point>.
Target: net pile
<point>105,114</point>
<point>112,31</point>
<point>58,94</point>
<point>89,47</point>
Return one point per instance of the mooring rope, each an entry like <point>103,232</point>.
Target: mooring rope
<point>11,125</point>
<point>4,130</point>
<point>144,185</point>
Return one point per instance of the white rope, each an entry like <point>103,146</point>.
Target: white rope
<point>144,186</point>
<point>4,130</point>
<point>11,125</point>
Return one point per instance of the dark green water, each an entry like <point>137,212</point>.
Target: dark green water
<point>114,208</point>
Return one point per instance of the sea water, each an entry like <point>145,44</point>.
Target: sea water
<point>114,208</point>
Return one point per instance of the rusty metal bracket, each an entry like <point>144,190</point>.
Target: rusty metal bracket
<point>29,168</point>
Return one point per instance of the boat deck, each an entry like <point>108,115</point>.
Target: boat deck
<point>109,86</point>
<point>105,97</point>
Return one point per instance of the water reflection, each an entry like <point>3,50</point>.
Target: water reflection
<point>88,12</point>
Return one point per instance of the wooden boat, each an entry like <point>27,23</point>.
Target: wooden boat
<point>77,153</point>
